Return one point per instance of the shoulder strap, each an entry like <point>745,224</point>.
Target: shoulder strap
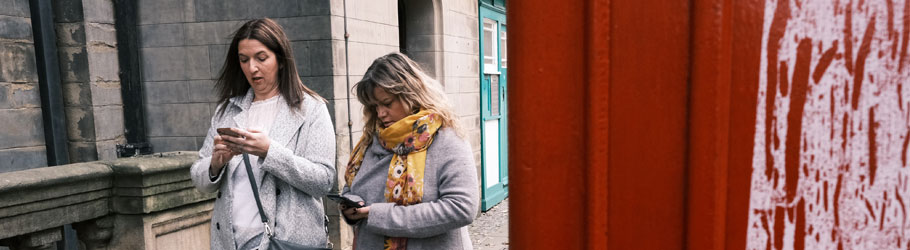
<point>249,173</point>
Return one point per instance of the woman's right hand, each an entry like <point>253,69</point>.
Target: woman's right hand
<point>221,155</point>
<point>352,213</point>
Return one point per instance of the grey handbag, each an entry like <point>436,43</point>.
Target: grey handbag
<point>275,243</point>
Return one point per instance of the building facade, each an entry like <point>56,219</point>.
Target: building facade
<point>138,76</point>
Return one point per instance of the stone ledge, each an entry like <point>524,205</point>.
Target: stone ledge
<point>154,183</point>
<point>44,198</point>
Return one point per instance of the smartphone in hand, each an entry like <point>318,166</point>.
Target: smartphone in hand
<point>227,132</point>
<point>344,200</point>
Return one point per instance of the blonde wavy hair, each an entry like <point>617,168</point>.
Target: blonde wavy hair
<point>403,78</point>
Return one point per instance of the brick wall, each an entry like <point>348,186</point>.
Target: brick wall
<point>22,136</point>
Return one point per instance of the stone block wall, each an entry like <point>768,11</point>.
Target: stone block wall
<point>461,59</point>
<point>22,143</point>
<point>183,44</point>
<point>89,73</point>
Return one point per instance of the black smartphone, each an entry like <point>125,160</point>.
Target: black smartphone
<point>344,200</point>
<point>228,132</point>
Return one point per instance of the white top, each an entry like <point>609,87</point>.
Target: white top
<point>244,212</point>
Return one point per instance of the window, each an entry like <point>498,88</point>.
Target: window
<point>502,46</point>
<point>489,46</point>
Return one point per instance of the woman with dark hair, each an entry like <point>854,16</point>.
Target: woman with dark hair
<point>264,111</point>
<point>412,171</point>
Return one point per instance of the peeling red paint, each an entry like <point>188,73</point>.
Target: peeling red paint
<point>906,36</point>
<point>904,149</point>
<point>779,227</point>
<point>848,36</point>
<point>824,62</point>
<point>891,36</point>
<point>784,83</point>
<point>860,67</point>
<point>794,118</point>
<point>873,160</point>
<point>778,26</point>
<point>800,239</point>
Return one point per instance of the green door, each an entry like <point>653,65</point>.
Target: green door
<point>493,104</point>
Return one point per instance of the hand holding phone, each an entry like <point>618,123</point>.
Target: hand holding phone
<point>228,132</point>
<point>344,200</point>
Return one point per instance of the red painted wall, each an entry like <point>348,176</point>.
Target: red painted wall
<point>710,124</point>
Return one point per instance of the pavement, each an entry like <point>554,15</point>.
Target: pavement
<point>490,230</point>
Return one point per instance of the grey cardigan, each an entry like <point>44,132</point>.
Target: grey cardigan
<point>297,171</point>
<point>450,198</point>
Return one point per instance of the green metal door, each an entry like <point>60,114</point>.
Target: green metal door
<point>493,104</point>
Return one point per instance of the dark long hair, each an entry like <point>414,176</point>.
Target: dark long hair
<point>231,81</point>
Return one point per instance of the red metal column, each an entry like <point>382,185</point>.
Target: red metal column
<point>709,120</point>
<point>547,124</point>
<point>598,124</point>
<point>747,22</point>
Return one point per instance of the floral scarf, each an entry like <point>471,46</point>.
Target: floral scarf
<point>408,139</point>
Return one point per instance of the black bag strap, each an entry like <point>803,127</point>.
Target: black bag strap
<point>249,173</point>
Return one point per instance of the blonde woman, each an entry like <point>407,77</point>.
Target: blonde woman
<point>412,171</point>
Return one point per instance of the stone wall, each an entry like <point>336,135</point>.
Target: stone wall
<point>89,74</point>
<point>22,139</point>
<point>183,45</point>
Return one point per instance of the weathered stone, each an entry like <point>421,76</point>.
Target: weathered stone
<point>165,92</point>
<point>73,63</point>
<point>215,10</point>
<point>42,198</point>
<point>168,144</point>
<point>163,64</point>
<point>201,91</point>
<point>108,122</point>
<point>15,8</point>
<point>67,11</point>
<point>80,124</point>
<point>19,96</point>
<point>23,127</point>
<point>103,64</point>
<point>17,63</point>
<point>99,11</point>
<point>197,63</point>
<point>107,149</point>
<point>22,158</point>
<point>191,119</point>
<point>161,35</point>
<point>70,34</point>
<point>81,151</point>
<point>161,11</point>
<point>15,28</point>
<point>315,7</point>
<point>217,58</point>
<point>76,94</point>
<point>154,183</point>
<point>208,33</point>
<point>306,28</point>
<point>100,35</point>
<point>106,93</point>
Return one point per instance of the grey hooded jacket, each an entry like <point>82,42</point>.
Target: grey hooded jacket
<point>450,198</point>
<point>297,171</point>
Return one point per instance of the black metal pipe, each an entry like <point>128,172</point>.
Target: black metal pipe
<point>49,87</point>
<point>125,14</point>
<point>52,113</point>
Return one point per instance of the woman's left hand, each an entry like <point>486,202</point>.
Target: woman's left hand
<point>252,141</point>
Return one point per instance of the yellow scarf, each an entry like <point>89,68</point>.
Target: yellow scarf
<point>408,139</point>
